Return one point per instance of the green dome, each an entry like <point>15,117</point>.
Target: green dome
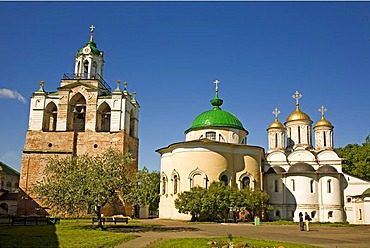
<point>216,118</point>
<point>93,47</point>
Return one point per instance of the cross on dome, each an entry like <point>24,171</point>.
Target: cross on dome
<point>297,96</point>
<point>216,82</point>
<point>322,109</point>
<point>92,27</point>
<point>276,112</point>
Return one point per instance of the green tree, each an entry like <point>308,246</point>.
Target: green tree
<point>190,202</point>
<point>144,189</point>
<point>214,203</point>
<point>74,185</point>
<point>356,159</point>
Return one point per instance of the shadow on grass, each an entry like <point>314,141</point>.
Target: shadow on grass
<point>142,229</point>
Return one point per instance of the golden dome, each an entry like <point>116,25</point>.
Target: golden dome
<point>298,115</point>
<point>323,123</point>
<point>276,124</point>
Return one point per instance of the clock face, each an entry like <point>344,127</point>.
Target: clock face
<point>87,50</point>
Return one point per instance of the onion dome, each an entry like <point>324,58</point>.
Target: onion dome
<point>297,114</point>
<point>216,117</point>
<point>326,169</point>
<point>301,168</point>
<point>276,123</point>
<point>323,122</point>
<point>91,44</point>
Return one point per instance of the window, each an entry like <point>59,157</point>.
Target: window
<point>324,138</point>
<point>293,185</point>
<point>299,135</point>
<point>311,186</point>
<point>86,69</point>
<point>277,213</point>
<point>225,179</point>
<point>330,214</point>
<point>349,199</point>
<point>50,117</point>
<point>329,186</point>
<point>103,118</point>
<point>132,124</point>
<point>276,185</point>
<point>77,113</point>
<point>359,214</point>
<point>246,183</point>
<point>8,184</point>
<point>276,140</point>
<point>175,182</point>
<point>164,184</point>
<point>211,135</point>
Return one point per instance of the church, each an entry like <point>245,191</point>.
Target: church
<point>298,175</point>
<point>83,116</point>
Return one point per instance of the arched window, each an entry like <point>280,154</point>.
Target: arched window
<point>329,186</point>
<point>330,214</point>
<point>224,178</point>
<point>276,185</point>
<point>293,185</point>
<point>299,135</point>
<point>8,184</point>
<point>198,178</point>
<point>276,140</point>
<point>103,118</point>
<point>246,182</point>
<point>324,134</point>
<point>311,186</point>
<point>50,117</point>
<point>132,124</point>
<point>164,184</point>
<point>277,213</point>
<point>175,184</point>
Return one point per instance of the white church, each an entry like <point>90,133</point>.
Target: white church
<point>298,176</point>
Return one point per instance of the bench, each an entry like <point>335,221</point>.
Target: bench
<point>114,220</point>
<point>30,221</point>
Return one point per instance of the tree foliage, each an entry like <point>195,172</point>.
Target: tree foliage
<point>356,159</point>
<point>74,185</point>
<point>215,202</point>
<point>144,189</point>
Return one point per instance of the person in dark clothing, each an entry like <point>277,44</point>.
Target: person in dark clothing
<point>301,223</point>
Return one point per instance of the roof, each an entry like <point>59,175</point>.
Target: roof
<point>275,169</point>
<point>298,115</point>
<point>8,170</point>
<point>216,118</point>
<point>93,47</point>
<point>301,168</point>
<point>326,169</point>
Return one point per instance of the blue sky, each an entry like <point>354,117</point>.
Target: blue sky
<point>171,52</point>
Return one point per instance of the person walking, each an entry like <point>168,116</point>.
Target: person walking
<point>301,223</point>
<point>307,219</point>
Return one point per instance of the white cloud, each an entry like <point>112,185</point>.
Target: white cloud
<point>6,93</point>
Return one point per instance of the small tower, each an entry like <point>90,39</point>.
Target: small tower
<point>298,126</point>
<point>276,134</point>
<point>323,132</point>
<point>89,60</point>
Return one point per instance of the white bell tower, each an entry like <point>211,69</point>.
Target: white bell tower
<point>276,134</point>
<point>323,132</point>
<point>89,60</point>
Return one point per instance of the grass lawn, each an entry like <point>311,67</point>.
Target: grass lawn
<point>219,242</point>
<point>69,233</point>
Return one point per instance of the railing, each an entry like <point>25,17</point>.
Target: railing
<point>102,83</point>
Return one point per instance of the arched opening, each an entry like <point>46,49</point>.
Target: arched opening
<point>86,69</point>
<point>293,185</point>
<point>164,184</point>
<point>103,118</point>
<point>276,185</point>
<point>225,179</point>
<point>246,183</point>
<point>175,184</point>
<point>329,186</point>
<point>4,206</point>
<point>77,113</point>
<point>50,117</point>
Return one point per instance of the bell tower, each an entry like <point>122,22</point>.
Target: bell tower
<point>89,60</point>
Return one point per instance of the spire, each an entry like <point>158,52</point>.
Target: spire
<point>125,90</point>
<point>118,89</point>
<point>41,89</point>
<point>216,102</point>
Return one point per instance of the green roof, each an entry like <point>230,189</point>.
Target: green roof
<point>8,170</point>
<point>93,47</point>
<point>216,118</point>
